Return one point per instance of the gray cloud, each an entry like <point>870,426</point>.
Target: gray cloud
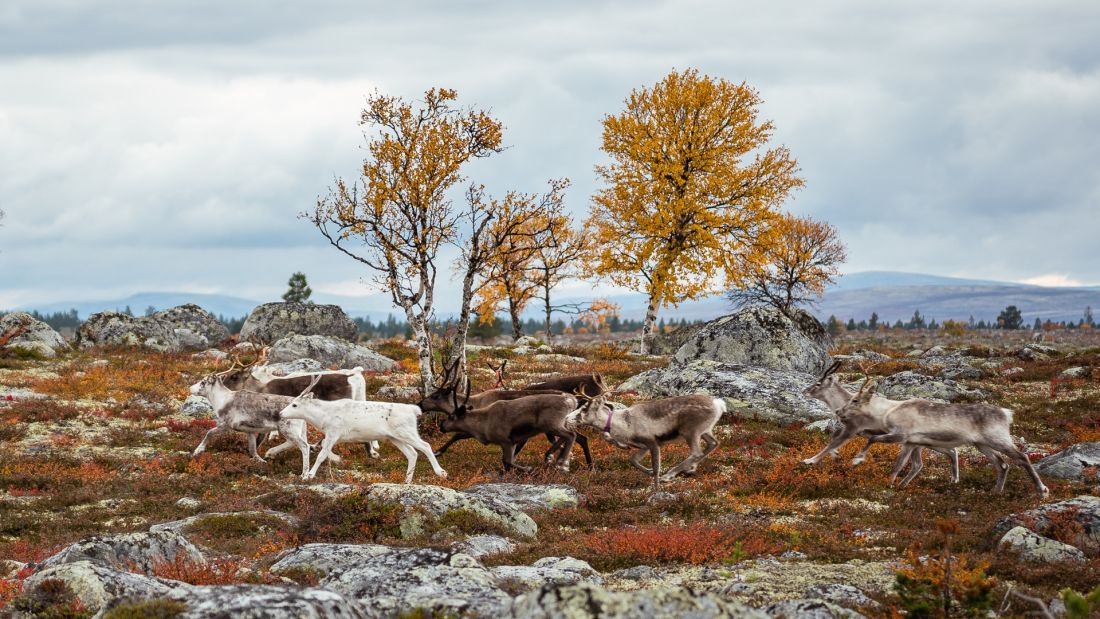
<point>150,145</point>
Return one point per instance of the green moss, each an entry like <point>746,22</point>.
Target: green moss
<point>147,609</point>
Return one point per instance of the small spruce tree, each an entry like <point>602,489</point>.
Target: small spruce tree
<point>298,290</point>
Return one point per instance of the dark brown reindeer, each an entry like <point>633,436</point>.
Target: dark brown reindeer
<point>445,399</point>
<point>576,384</point>
<point>510,423</point>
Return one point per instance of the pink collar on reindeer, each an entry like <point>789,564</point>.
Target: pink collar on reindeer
<point>607,426</point>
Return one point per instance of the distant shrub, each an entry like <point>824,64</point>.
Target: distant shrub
<point>695,543</point>
<point>51,599</point>
<point>212,572</point>
<point>937,586</point>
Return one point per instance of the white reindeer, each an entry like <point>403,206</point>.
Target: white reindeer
<point>353,421</point>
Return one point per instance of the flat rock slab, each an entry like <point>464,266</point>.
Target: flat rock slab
<point>557,570</point>
<point>1072,462</point>
<point>423,503</point>
<point>484,545</point>
<point>809,609</point>
<point>180,526</point>
<point>97,585</point>
<point>583,600</point>
<point>262,602</point>
<point>129,550</point>
<point>330,352</point>
<point>327,559</point>
<point>529,497</point>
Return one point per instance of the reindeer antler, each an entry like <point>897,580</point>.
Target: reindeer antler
<point>499,371</point>
<point>829,371</point>
<point>312,383</point>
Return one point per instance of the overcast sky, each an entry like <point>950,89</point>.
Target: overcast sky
<point>169,145</point>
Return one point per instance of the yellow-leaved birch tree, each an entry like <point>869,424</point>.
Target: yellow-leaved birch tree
<point>395,218</point>
<point>692,184</point>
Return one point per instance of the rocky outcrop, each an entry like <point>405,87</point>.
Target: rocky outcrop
<point>761,337</point>
<point>909,384</point>
<point>129,551</point>
<point>1084,511</point>
<point>425,505</point>
<point>23,332</point>
<point>483,545</point>
<point>809,609</point>
<point>192,324</point>
<point>1030,546</point>
<point>588,600</point>
<point>557,570</point>
<point>1072,462</point>
<point>330,352</point>
<point>751,392</point>
<point>529,497</point>
<point>261,517</point>
<point>271,322</point>
<point>438,581</point>
<point>186,327</point>
<point>258,602</point>
<point>96,585</point>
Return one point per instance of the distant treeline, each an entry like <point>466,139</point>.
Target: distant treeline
<point>1010,319</point>
<point>392,327</point>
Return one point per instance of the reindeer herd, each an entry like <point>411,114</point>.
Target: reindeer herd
<point>253,400</point>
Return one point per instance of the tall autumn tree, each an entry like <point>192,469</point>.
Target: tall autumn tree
<point>558,252</point>
<point>691,186</point>
<point>495,232</point>
<point>509,280</point>
<point>795,270</point>
<point>397,215</point>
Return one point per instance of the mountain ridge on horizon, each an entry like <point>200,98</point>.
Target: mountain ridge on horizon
<point>892,294</point>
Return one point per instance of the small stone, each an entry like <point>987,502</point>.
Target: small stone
<point>1030,546</point>
<point>484,545</point>
<point>188,503</point>
<point>638,572</point>
<point>212,354</point>
<point>1076,372</point>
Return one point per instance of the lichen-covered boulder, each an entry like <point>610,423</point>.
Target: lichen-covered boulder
<point>841,594</point>
<point>441,582</point>
<point>1084,510</point>
<point>483,545</point>
<point>118,329</point>
<point>529,497</point>
<point>129,550</point>
<point>762,337</point>
<point>264,602</point>
<point>809,609</point>
<point>21,331</point>
<point>584,600</point>
<point>271,322</point>
<point>424,505</point>
<point>750,392</point>
<point>326,559</point>
<point>195,327</point>
<point>559,570</point>
<point>96,585</point>
<point>330,352</point>
<point>196,406</point>
<point>1073,462</point>
<point>1031,546</point>
<point>909,384</point>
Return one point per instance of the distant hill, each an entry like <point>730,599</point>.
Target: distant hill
<point>893,295</point>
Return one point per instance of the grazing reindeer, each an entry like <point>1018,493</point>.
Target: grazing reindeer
<point>648,425</point>
<point>333,385</point>
<point>252,413</point>
<point>355,421</point>
<point>445,399</point>
<point>920,423</point>
<point>829,390</point>
<point>510,423</point>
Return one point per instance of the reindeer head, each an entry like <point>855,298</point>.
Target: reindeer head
<point>825,383</point>
<point>453,422</point>
<point>856,404</point>
<point>441,400</point>
<point>204,386</point>
<point>592,413</point>
<point>305,396</point>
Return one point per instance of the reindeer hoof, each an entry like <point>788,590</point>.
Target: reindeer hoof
<point>856,461</point>
<point>809,461</point>
<point>442,474</point>
<point>437,453</point>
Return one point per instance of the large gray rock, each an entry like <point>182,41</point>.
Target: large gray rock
<point>1085,510</point>
<point>117,329</point>
<point>202,328</point>
<point>809,609</point>
<point>1070,463</point>
<point>483,545</point>
<point>260,516</point>
<point>1031,546</point>
<point>271,322</point>
<point>197,406</point>
<point>585,600</point>
<point>423,503</point>
<point>438,581</point>
<point>96,585</point>
<point>529,497</point>
<point>330,352</point>
<point>327,559</point>
<point>909,384</point>
<point>763,393</point>
<point>260,602</point>
<point>129,550</point>
<point>25,332</point>
<point>761,337</point>
<point>558,570</point>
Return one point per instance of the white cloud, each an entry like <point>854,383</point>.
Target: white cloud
<point>1053,279</point>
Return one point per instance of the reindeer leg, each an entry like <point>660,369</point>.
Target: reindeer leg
<point>252,448</point>
<point>582,440</point>
<point>326,451</point>
<point>372,449</point>
<point>566,441</point>
<point>508,457</point>
<point>694,456</point>
<point>211,432</point>
<point>555,445</point>
<point>953,455</point>
<point>410,455</point>
<point>916,463</point>
<point>456,437</point>
<point>426,449</point>
<point>1017,456</point>
<point>636,460</point>
<point>999,467</point>
<point>899,464</point>
<point>841,436</point>
<point>712,444</point>
<point>655,458</point>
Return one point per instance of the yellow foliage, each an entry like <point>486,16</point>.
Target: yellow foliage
<point>692,185</point>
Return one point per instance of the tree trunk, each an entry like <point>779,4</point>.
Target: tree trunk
<point>419,324</point>
<point>647,326</point>
<point>546,305</point>
<point>458,346</point>
<point>517,326</point>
